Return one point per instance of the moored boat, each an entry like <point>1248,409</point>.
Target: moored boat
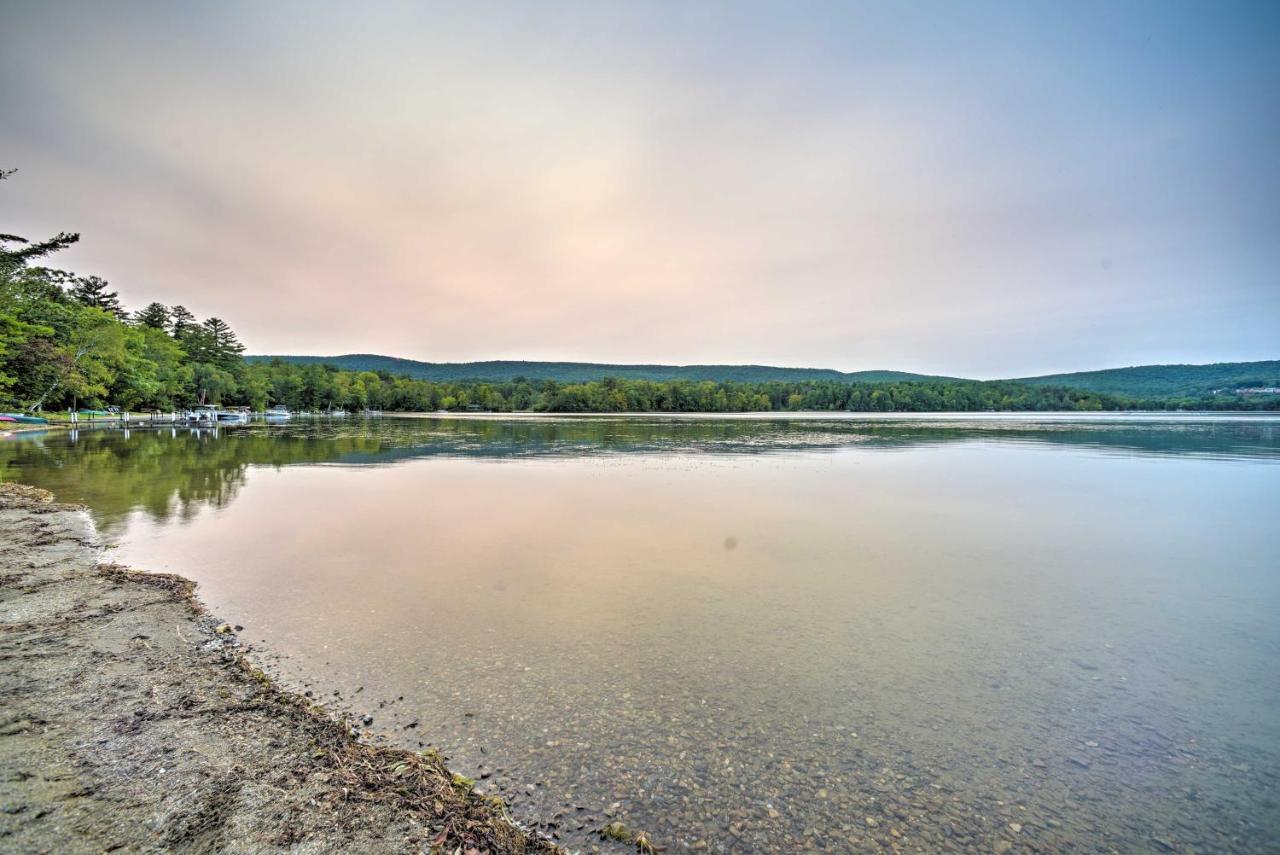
<point>233,416</point>
<point>24,419</point>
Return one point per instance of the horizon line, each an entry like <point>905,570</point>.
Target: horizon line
<point>752,365</point>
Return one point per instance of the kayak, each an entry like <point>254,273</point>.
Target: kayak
<point>24,419</point>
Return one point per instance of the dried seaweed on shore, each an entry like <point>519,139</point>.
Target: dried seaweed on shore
<point>174,739</point>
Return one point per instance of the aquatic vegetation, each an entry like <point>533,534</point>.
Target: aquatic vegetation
<point>619,832</point>
<point>644,844</point>
<point>616,831</point>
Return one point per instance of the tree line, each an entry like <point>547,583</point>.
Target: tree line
<point>66,341</point>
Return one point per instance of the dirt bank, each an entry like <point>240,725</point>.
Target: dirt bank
<point>128,722</point>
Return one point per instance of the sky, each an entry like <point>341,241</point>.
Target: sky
<point>985,190</point>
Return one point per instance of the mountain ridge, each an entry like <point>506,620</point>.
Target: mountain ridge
<point>503,370</point>
<point>1173,380</point>
<point>1167,380</point>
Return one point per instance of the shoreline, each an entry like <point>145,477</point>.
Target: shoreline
<point>134,721</point>
<point>10,431</point>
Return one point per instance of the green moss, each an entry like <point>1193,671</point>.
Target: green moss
<point>463,784</point>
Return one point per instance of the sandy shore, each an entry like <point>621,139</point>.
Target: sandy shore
<point>12,429</point>
<point>131,720</point>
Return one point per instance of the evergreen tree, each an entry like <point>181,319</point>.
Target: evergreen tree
<point>92,291</point>
<point>180,320</point>
<point>226,348</point>
<point>155,315</point>
<point>16,251</point>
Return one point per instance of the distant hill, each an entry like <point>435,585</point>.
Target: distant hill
<point>580,372</point>
<point>1167,381</point>
<point>1141,382</point>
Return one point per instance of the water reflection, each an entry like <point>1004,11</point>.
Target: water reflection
<point>746,635</point>
<point>171,472</point>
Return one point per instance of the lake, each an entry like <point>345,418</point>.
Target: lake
<point>825,632</point>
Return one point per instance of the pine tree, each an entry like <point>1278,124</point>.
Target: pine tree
<point>13,258</point>
<point>180,320</point>
<point>155,315</point>
<point>226,347</point>
<point>92,291</point>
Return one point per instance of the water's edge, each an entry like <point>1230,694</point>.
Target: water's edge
<point>94,648</point>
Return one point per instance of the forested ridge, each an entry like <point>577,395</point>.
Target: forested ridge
<point>1143,382</point>
<point>1170,381</point>
<point>500,370</point>
<point>67,341</point>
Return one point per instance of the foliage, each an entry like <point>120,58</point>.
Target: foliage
<point>92,291</point>
<point>155,315</point>
<point>1171,381</point>
<point>497,371</point>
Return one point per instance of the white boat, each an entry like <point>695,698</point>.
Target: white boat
<point>372,412</point>
<point>233,416</point>
<point>278,413</point>
<point>337,414</point>
<point>204,414</point>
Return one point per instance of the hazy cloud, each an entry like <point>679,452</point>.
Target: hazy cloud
<point>954,188</point>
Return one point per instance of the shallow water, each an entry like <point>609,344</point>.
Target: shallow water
<point>813,633</point>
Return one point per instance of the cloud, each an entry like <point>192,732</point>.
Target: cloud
<point>834,187</point>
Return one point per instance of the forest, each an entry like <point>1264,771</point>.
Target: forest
<point>66,341</point>
<point>502,370</point>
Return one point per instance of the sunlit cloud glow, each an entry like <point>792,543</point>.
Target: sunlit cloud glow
<point>956,188</point>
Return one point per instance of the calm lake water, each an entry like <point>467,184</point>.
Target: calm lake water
<point>742,634</point>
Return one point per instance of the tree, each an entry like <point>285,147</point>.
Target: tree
<point>226,348</point>
<point>255,385</point>
<point>21,338</point>
<point>167,375</point>
<point>180,320</point>
<point>155,316</point>
<point>14,257</point>
<point>212,383</point>
<point>88,363</point>
<point>92,291</point>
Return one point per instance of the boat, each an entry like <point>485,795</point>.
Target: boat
<point>372,412</point>
<point>233,416</point>
<point>24,419</point>
<point>278,413</point>
<point>205,414</point>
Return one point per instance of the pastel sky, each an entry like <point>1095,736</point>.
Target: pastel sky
<point>961,188</point>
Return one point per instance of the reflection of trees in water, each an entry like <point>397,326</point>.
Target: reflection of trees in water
<point>166,474</point>
<point>604,434</point>
<point>174,473</point>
